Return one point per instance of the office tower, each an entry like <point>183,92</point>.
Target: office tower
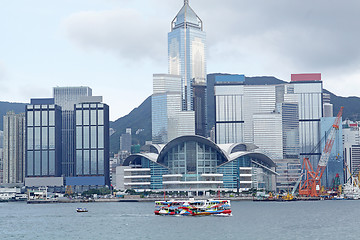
<point>14,148</point>
<point>187,58</point>
<point>168,121</point>
<point>92,143</point>
<point>277,135</point>
<point>68,146</point>
<point>66,98</point>
<point>199,103</point>
<point>327,106</point>
<point>229,109</point>
<point>259,99</point>
<point>166,102</point>
<point>125,141</point>
<point>43,145</point>
<point>187,52</point>
<point>306,90</point>
<point>210,94</point>
<point>268,134</point>
<point>351,148</point>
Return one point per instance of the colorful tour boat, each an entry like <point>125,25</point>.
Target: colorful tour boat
<point>193,207</point>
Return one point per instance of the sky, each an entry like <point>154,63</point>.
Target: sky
<point>115,46</point>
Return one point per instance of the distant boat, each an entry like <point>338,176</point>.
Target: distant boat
<point>81,210</point>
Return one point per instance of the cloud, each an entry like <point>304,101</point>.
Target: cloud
<point>308,34</point>
<point>125,32</point>
<point>257,37</point>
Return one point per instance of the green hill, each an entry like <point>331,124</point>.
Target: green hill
<point>138,118</point>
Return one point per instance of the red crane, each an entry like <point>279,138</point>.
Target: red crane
<point>311,186</point>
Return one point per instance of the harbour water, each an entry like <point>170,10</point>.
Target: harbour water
<point>123,220</point>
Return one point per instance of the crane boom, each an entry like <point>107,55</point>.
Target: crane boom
<point>324,159</point>
<point>311,186</point>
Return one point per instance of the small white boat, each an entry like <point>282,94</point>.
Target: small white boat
<point>81,210</point>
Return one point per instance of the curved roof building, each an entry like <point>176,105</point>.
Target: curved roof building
<point>197,164</point>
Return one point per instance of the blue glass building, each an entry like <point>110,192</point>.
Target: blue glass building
<point>92,144</point>
<point>67,147</point>
<point>187,52</point>
<point>43,139</point>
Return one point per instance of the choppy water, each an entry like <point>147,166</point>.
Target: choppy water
<point>250,220</point>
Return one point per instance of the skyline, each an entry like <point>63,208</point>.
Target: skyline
<point>93,43</point>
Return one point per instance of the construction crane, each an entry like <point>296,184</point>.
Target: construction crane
<point>311,186</point>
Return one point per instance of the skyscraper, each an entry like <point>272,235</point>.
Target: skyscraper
<point>229,108</point>
<point>168,121</point>
<point>14,148</point>
<point>66,98</point>
<point>306,90</point>
<point>68,142</point>
<point>187,52</point>
<point>43,133</point>
<point>187,58</point>
<point>92,143</point>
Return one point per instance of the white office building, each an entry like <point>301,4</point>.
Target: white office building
<point>168,120</point>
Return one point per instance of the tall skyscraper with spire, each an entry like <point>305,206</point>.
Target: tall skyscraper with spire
<point>187,53</point>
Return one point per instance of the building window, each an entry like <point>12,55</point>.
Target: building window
<point>30,138</point>
<point>101,162</point>
<point>51,118</point>
<point>51,137</point>
<point>44,164</point>
<point>44,139</point>
<point>30,163</point>
<point>44,118</point>
<point>86,162</point>
<point>93,162</point>
<point>101,117</point>
<point>37,163</point>
<point>79,137</point>
<point>51,162</point>
<point>79,162</point>
<point>78,117</point>
<point>30,118</point>
<point>93,137</point>
<point>86,117</point>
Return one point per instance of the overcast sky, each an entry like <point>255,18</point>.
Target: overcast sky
<point>114,46</point>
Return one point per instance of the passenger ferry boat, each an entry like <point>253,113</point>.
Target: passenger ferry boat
<point>193,207</point>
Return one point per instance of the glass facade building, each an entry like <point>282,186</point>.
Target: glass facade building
<point>43,134</point>
<point>92,140</point>
<point>68,147</point>
<point>187,52</point>
<point>66,98</point>
<point>211,80</point>
<point>194,163</point>
<point>229,113</point>
<point>306,90</point>
<point>168,120</point>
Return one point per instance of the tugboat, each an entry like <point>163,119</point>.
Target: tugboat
<point>81,210</point>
